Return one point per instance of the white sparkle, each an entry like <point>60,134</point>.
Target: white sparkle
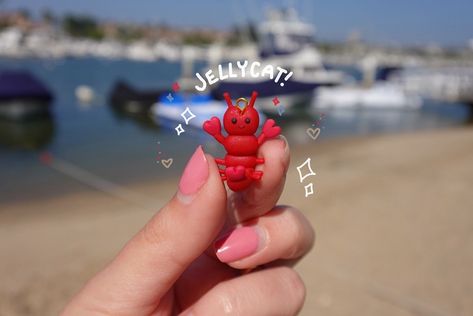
<point>169,97</point>
<point>305,165</point>
<point>179,129</point>
<point>309,189</point>
<point>187,115</point>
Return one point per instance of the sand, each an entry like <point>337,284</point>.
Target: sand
<point>393,216</point>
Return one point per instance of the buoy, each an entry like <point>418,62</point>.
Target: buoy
<point>85,94</point>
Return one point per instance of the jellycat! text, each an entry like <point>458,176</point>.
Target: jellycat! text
<point>243,69</point>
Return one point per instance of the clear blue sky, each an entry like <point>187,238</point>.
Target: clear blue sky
<point>379,21</point>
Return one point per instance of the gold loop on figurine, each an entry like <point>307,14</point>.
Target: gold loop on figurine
<point>241,100</point>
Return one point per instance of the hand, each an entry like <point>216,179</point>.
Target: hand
<point>270,129</point>
<point>173,265</point>
<point>213,126</point>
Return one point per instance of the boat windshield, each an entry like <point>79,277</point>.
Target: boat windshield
<point>284,33</point>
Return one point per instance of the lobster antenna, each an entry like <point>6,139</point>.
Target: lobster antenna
<point>226,95</point>
<point>254,94</point>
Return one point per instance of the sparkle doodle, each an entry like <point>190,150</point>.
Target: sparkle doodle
<point>241,143</point>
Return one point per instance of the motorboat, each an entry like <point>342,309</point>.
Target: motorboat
<point>129,99</point>
<point>380,95</point>
<point>23,96</point>
<point>201,107</point>
<point>376,90</point>
<point>285,41</point>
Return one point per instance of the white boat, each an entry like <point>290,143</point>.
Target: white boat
<point>380,95</point>
<point>170,112</point>
<point>448,84</point>
<point>375,91</point>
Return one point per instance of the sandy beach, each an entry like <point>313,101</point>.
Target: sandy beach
<point>393,216</point>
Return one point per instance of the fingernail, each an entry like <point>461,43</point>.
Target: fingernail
<point>286,144</point>
<point>195,174</point>
<point>240,243</point>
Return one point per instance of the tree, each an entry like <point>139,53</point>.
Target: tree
<point>82,26</point>
<point>48,16</point>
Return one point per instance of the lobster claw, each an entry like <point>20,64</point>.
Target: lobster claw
<point>213,126</point>
<point>270,129</point>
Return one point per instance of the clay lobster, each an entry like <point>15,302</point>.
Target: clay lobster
<point>241,144</point>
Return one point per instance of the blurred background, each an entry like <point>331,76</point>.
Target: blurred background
<point>380,99</point>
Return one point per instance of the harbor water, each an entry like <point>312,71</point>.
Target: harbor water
<point>123,148</point>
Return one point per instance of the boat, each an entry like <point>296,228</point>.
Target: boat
<point>132,100</point>
<point>31,134</point>
<point>382,95</point>
<point>442,83</point>
<point>23,96</point>
<point>169,112</point>
<point>376,89</point>
<point>284,41</point>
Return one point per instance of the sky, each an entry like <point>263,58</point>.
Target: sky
<point>411,22</point>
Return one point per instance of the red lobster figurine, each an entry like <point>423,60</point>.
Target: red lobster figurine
<point>241,143</point>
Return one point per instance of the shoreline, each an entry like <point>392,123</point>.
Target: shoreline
<point>141,186</point>
<point>147,188</point>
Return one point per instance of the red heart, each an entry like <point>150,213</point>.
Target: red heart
<point>235,173</point>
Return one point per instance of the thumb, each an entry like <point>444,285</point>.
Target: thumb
<point>147,267</point>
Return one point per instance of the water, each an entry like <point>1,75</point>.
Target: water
<point>124,149</point>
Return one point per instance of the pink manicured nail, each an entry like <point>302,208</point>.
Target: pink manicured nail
<point>238,244</point>
<point>195,174</point>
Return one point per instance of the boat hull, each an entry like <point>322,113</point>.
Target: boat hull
<point>169,114</point>
<point>380,96</point>
<point>265,88</point>
<point>131,100</point>
<point>292,94</point>
<point>23,109</point>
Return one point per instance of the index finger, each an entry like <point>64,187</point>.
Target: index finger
<point>150,263</point>
<point>262,195</point>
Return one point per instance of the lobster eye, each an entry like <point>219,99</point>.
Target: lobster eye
<point>234,120</point>
<point>247,120</point>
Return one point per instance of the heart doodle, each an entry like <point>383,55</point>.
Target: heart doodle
<point>167,162</point>
<point>313,132</point>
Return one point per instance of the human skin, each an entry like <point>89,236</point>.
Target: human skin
<point>209,252</point>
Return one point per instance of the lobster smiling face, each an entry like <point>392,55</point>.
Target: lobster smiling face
<point>241,121</point>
